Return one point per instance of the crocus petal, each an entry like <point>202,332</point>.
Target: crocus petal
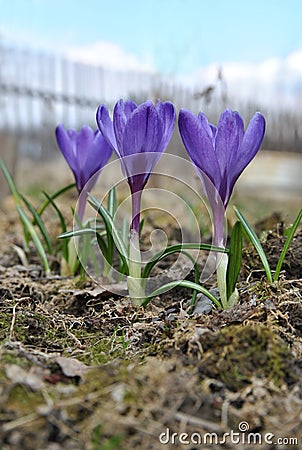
<point>84,142</point>
<point>197,137</point>
<point>67,146</point>
<point>143,131</point>
<point>208,127</point>
<point>99,154</point>
<point>214,131</point>
<point>73,135</point>
<point>228,139</point>
<point>252,140</point>
<point>141,134</point>
<point>167,114</point>
<point>106,127</point>
<point>86,152</point>
<point>93,153</point>
<point>250,145</point>
<point>121,114</point>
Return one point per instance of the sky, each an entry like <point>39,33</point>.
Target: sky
<point>183,38</point>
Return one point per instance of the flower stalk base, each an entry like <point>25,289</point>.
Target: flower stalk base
<point>222,265</point>
<point>135,283</point>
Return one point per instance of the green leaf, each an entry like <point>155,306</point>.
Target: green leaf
<point>186,284</point>
<point>111,208</point>
<point>84,232</point>
<point>178,248</point>
<point>85,251</point>
<point>125,236</point>
<point>36,240</point>
<point>256,243</point>
<point>77,232</point>
<point>102,244</point>
<point>111,202</point>
<point>76,218</point>
<point>196,270</point>
<point>39,223</point>
<point>125,231</point>
<point>287,243</point>
<point>149,266</point>
<point>141,226</point>
<point>235,256</point>
<point>111,228</point>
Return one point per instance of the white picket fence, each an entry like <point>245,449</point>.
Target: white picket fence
<point>39,90</point>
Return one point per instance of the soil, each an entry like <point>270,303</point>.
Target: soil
<point>84,369</point>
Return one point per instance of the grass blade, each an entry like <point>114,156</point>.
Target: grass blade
<point>17,199</point>
<point>256,243</point>
<point>287,244</point>
<point>46,202</point>
<point>11,183</point>
<point>186,284</point>
<point>65,249</point>
<point>60,215</point>
<point>235,257</point>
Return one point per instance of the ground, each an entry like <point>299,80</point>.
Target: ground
<point>83,369</point>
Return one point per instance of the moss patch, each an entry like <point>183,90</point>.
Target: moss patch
<point>238,354</point>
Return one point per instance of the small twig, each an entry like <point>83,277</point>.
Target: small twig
<point>198,422</point>
<point>12,325</point>
<point>224,412</point>
<point>78,342</point>
<point>70,334</point>
<point>11,330</point>
<point>19,422</point>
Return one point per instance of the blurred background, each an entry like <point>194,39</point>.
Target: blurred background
<point>60,59</point>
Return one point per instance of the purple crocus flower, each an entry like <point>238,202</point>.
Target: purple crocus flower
<point>138,135</point>
<point>86,152</point>
<point>220,154</point>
